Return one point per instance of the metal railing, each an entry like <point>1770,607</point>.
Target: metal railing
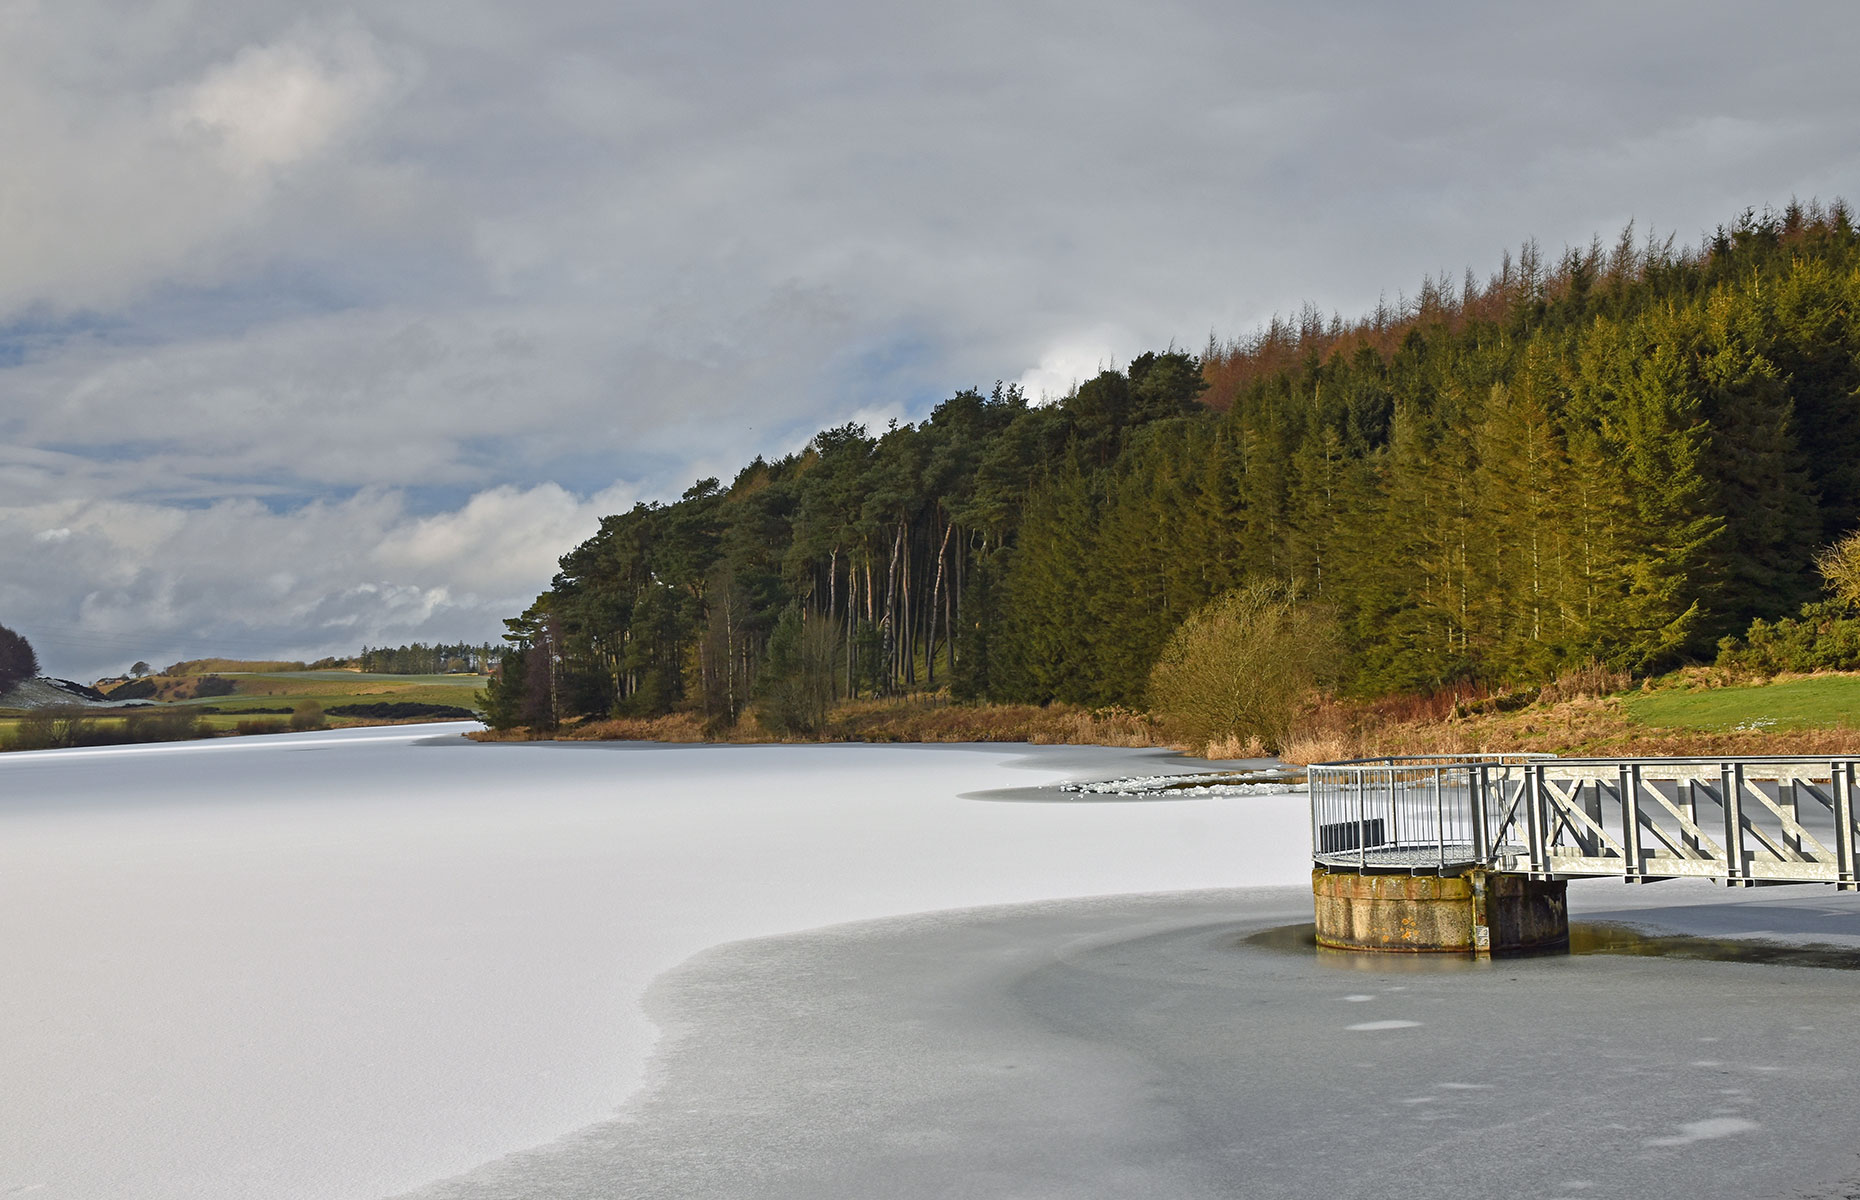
<point>1412,813</point>
<point>1745,821</point>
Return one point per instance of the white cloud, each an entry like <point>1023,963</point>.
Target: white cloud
<point>91,582</point>
<point>502,540</point>
<point>277,104</point>
<point>120,184</point>
<point>1077,358</point>
<point>342,264</point>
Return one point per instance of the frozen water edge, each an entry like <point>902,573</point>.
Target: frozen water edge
<point>1137,1046</point>
<point>1204,784</point>
<point>346,964</point>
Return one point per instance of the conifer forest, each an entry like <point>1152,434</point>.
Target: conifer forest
<point>1622,454</point>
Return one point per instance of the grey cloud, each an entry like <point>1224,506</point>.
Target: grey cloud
<point>116,580</point>
<point>314,255</point>
<point>115,188</point>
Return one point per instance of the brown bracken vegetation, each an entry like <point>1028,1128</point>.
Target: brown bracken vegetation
<point>903,719</point>
<point>1582,712</point>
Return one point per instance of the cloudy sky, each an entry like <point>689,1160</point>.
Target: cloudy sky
<point>323,325</point>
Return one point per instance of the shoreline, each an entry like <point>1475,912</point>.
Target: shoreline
<point>1576,724</point>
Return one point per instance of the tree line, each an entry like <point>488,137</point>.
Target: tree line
<point>1622,455</point>
<point>418,658</point>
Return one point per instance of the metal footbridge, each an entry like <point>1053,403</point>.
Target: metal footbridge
<point>1745,821</point>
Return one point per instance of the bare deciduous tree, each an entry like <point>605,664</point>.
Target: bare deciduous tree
<point>1839,565</point>
<point>1242,665</point>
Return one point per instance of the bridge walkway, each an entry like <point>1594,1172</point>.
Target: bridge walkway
<point>1743,821</point>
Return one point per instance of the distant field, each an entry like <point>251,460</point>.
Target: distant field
<point>343,687</point>
<point>466,681</point>
<point>220,722</point>
<point>1818,702</point>
<point>287,689</point>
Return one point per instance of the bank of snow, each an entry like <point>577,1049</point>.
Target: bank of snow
<point>46,692</point>
<point>1204,784</point>
<point>343,964</point>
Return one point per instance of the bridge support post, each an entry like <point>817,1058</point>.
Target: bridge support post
<point>1478,913</point>
<point>1481,915</point>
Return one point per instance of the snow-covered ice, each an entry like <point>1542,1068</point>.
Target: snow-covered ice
<point>1186,784</point>
<point>342,965</point>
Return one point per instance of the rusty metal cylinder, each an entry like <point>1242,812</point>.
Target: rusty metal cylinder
<point>1477,912</point>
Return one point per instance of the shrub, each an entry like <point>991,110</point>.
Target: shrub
<point>164,725</point>
<point>1825,637</point>
<point>400,710</point>
<point>50,729</point>
<point>1242,666</point>
<point>1591,681</point>
<point>308,715</point>
<point>214,685</point>
<point>1839,565</point>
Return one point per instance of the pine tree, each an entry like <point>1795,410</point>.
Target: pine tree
<point>1764,561</point>
<point>1519,483</point>
<point>18,662</point>
<point>1049,589</point>
<point>1653,440</point>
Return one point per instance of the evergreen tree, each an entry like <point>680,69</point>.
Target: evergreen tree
<point>502,699</point>
<point>1049,589</point>
<point>18,662</point>
<point>1520,593</point>
<point>1649,426</point>
<point>977,673</point>
<point>1764,494</point>
<point>1619,454</point>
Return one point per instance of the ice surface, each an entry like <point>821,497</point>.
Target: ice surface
<point>343,964</point>
<point>1210,783</point>
<point>1181,1046</point>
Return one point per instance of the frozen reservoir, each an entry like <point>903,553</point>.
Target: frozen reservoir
<point>343,965</point>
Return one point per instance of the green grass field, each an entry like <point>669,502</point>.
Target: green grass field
<point>219,722</point>
<point>343,687</point>
<point>1818,702</point>
<point>287,689</point>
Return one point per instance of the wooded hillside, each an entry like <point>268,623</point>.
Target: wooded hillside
<point>1622,455</point>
